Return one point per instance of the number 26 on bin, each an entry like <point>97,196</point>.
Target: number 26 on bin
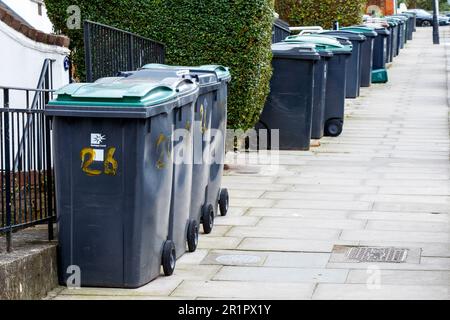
<point>88,157</point>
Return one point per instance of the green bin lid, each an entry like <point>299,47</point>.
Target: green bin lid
<point>121,93</point>
<point>368,32</point>
<point>327,43</point>
<point>221,72</point>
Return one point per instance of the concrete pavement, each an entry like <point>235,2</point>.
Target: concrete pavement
<point>383,183</point>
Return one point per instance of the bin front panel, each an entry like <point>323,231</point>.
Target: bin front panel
<point>336,87</point>
<point>217,147</point>
<point>320,89</point>
<point>289,105</point>
<point>182,176</point>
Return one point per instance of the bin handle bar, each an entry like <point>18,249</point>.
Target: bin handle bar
<point>303,32</point>
<point>306,28</point>
<point>169,82</point>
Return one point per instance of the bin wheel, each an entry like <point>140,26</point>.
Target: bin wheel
<point>169,258</point>
<point>333,127</point>
<point>224,202</point>
<point>208,219</point>
<point>192,236</point>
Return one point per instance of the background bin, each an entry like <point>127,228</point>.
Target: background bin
<point>280,31</point>
<point>208,199</point>
<point>289,105</point>
<point>354,65</point>
<point>380,46</point>
<point>320,92</point>
<point>113,211</point>
<point>367,53</point>
<point>336,80</point>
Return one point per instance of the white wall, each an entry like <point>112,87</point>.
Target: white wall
<point>28,10</point>
<point>21,60</point>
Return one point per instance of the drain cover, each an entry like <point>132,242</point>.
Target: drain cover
<point>238,259</point>
<point>367,254</point>
<point>361,254</point>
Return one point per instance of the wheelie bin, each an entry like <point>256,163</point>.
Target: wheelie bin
<point>208,199</point>
<point>320,92</point>
<point>112,143</point>
<point>367,53</point>
<point>380,46</point>
<point>394,23</point>
<point>289,106</point>
<point>355,62</point>
<point>336,80</point>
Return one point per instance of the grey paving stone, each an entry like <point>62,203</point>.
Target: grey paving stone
<point>245,290</point>
<point>402,277</point>
<point>325,291</point>
<point>282,275</point>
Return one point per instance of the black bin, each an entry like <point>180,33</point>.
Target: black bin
<point>289,105</point>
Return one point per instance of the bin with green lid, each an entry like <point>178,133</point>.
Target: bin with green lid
<point>367,53</point>
<point>289,106</point>
<point>394,25</point>
<point>354,64</point>
<point>336,79</point>
<point>113,144</point>
<point>208,198</point>
<point>380,49</point>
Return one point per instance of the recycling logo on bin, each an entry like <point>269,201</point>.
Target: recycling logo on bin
<point>98,152</point>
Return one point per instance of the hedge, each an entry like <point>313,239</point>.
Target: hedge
<point>322,13</point>
<point>236,34</point>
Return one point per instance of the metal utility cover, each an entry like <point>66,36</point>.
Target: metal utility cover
<point>368,254</point>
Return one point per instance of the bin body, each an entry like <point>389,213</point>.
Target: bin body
<point>320,91</point>
<point>355,62</point>
<point>113,210</point>
<point>380,49</point>
<point>366,53</point>
<point>336,79</point>
<point>289,106</point>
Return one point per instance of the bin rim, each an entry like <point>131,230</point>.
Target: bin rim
<point>221,72</point>
<point>295,51</point>
<point>368,32</point>
<point>153,98</point>
<point>320,46</point>
<point>352,36</point>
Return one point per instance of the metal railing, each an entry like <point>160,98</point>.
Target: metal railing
<point>109,50</point>
<point>26,174</point>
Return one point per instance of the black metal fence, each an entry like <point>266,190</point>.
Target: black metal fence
<point>26,175</point>
<point>109,50</point>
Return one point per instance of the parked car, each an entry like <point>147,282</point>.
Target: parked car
<point>425,19</point>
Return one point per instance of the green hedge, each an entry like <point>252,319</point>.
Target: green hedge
<point>235,33</point>
<point>322,13</point>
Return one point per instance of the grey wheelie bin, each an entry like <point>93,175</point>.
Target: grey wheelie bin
<point>208,198</point>
<point>289,106</point>
<point>336,81</point>
<point>320,92</point>
<point>367,53</point>
<point>380,47</point>
<point>354,64</point>
<point>394,23</point>
<point>112,142</point>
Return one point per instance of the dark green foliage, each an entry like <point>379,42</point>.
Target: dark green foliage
<point>320,13</point>
<point>233,33</point>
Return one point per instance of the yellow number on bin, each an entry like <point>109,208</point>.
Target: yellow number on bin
<point>110,164</point>
<point>85,164</point>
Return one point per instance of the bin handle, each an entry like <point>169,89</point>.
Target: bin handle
<point>176,84</point>
<point>318,28</point>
